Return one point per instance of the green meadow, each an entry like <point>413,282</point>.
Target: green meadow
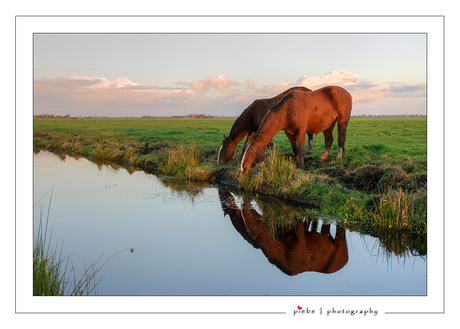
<point>380,182</point>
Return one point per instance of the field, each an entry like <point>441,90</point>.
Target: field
<point>381,180</point>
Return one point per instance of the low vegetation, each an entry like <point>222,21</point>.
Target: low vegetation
<point>52,275</point>
<point>381,180</point>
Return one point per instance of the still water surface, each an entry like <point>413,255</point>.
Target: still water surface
<point>192,239</point>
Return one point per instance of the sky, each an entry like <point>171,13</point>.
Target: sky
<point>131,75</point>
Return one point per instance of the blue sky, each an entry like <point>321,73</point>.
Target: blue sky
<point>221,74</point>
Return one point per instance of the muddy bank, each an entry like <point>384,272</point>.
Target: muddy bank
<point>374,179</point>
<point>367,179</point>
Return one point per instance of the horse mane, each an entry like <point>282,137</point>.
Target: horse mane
<point>278,106</point>
<point>242,115</point>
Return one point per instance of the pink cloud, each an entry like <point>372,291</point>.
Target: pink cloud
<point>336,77</point>
<point>271,90</point>
<point>88,95</point>
<point>85,93</point>
<point>241,100</point>
<point>220,82</point>
<point>367,95</point>
<point>371,93</point>
<point>250,83</point>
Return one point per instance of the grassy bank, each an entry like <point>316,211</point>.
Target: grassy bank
<point>381,181</point>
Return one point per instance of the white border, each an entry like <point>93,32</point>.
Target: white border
<point>26,26</point>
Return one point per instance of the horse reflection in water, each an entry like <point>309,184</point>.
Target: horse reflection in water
<point>298,249</point>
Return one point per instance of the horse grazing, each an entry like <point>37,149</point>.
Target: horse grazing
<point>299,113</point>
<point>248,123</point>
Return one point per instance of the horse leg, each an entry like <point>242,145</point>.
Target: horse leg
<point>301,146</point>
<point>299,142</point>
<point>342,133</point>
<point>296,149</point>
<point>293,143</point>
<point>310,144</point>
<point>328,139</point>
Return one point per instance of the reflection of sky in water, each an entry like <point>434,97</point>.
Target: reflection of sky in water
<point>186,247</point>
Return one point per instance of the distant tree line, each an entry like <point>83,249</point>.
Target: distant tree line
<point>203,116</point>
<point>51,116</point>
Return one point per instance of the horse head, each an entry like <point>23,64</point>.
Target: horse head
<point>225,154</point>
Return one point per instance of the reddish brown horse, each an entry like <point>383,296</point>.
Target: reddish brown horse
<point>299,113</point>
<point>295,250</point>
<point>248,123</point>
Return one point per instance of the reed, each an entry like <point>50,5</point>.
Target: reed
<point>273,173</point>
<point>48,266</point>
<point>51,276</point>
<point>400,210</point>
<point>109,152</point>
<point>278,175</point>
<point>183,161</point>
<point>48,274</point>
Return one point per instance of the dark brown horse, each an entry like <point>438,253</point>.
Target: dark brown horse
<point>298,249</point>
<point>248,123</point>
<point>299,113</point>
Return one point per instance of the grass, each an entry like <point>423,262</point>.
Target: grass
<point>383,172</point>
<point>400,209</point>
<point>275,175</point>
<point>183,162</point>
<point>48,274</point>
<point>51,273</point>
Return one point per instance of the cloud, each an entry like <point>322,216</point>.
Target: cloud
<point>250,83</point>
<point>241,100</point>
<point>104,83</point>
<point>86,95</point>
<point>272,90</point>
<point>418,90</point>
<point>220,82</point>
<point>92,95</point>
<point>367,93</point>
<point>336,77</point>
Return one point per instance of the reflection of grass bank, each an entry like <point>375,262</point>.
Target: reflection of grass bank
<point>281,217</point>
<point>381,181</point>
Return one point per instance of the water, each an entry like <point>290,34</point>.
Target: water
<point>198,239</point>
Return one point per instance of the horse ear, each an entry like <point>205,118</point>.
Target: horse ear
<point>225,137</point>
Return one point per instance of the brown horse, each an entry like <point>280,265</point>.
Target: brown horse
<point>298,113</point>
<point>300,248</point>
<point>248,123</point>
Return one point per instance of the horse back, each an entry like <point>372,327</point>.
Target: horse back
<point>329,101</point>
<point>341,100</point>
<point>252,117</point>
<point>315,111</point>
